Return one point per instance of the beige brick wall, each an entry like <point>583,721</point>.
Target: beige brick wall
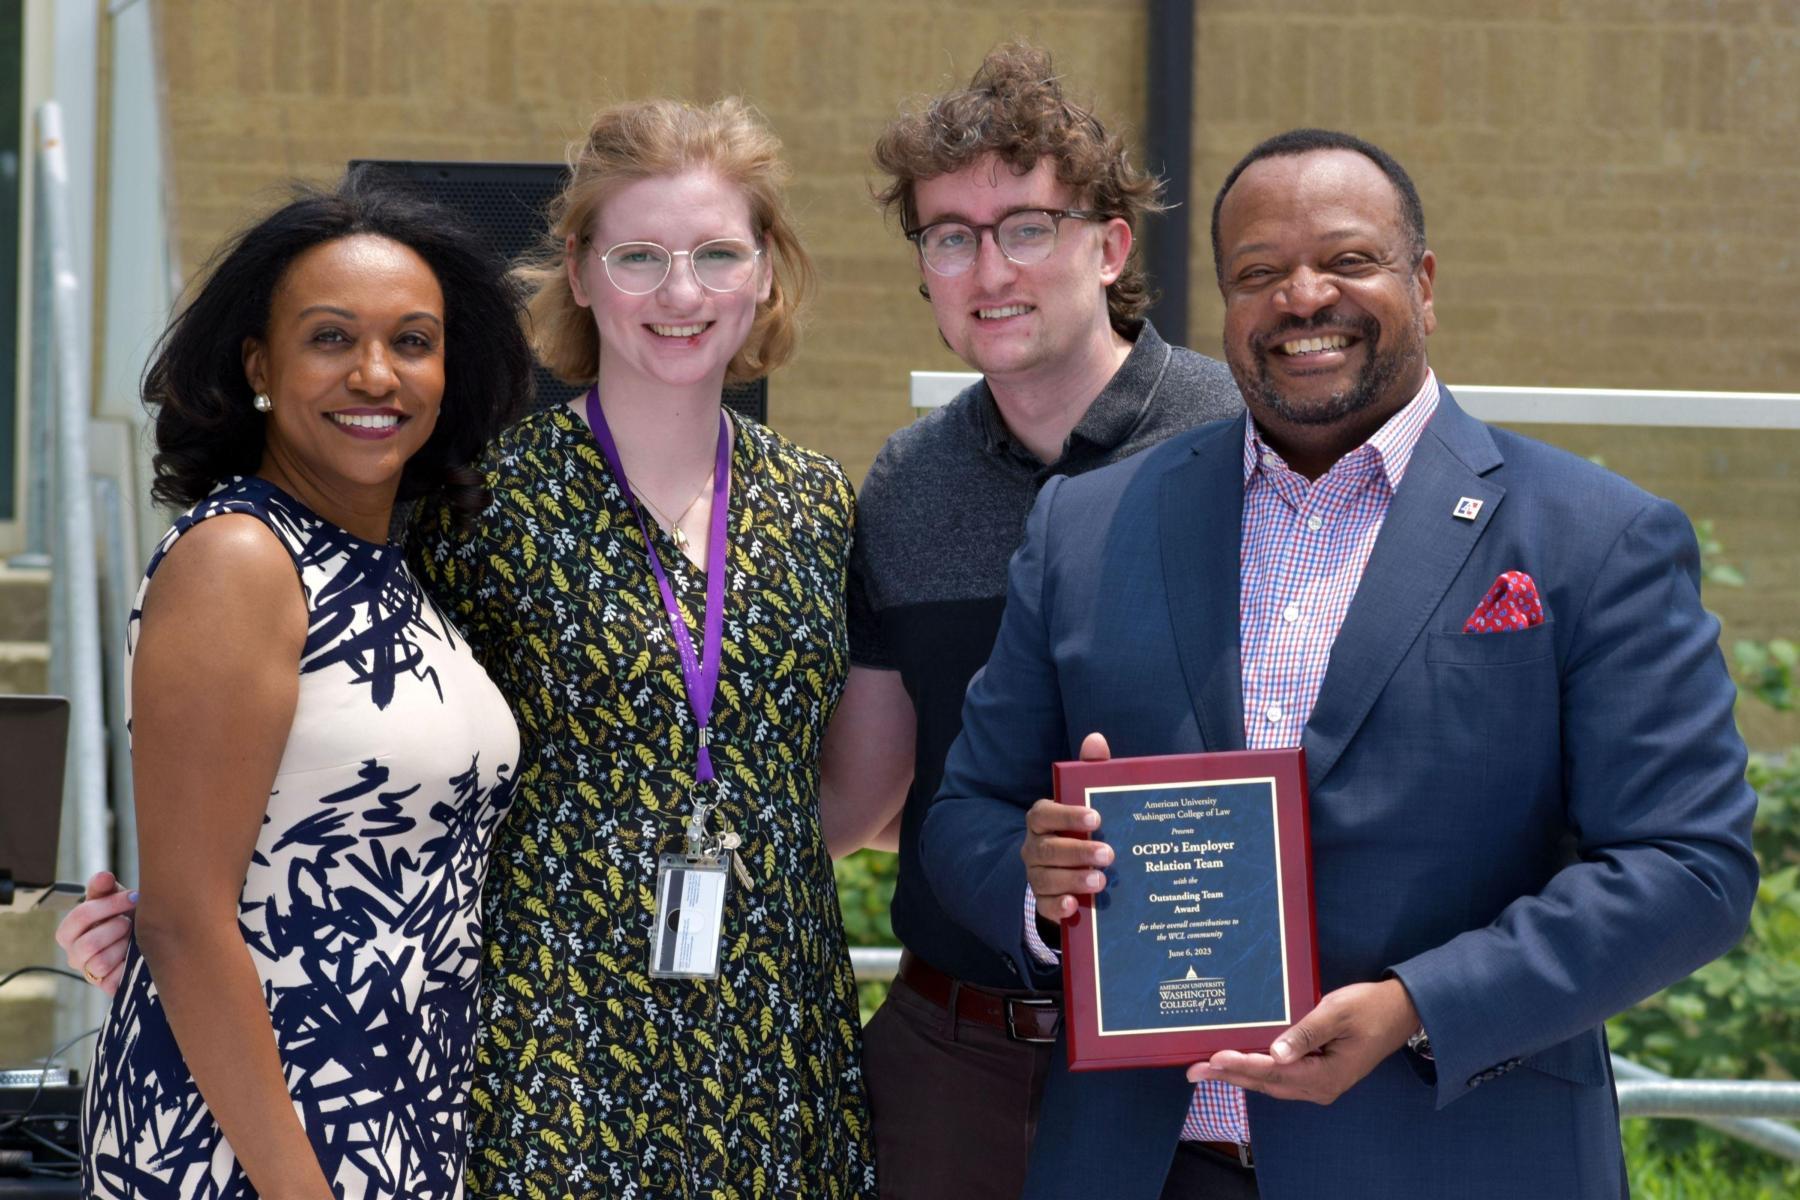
<point>1612,186</point>
<point>1614,197</point>
<point>261,92</point>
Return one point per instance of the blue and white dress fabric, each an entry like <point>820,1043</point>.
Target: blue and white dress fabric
<point>362,904</point>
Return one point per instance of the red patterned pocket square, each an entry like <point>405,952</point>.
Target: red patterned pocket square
<point>1512,603</point>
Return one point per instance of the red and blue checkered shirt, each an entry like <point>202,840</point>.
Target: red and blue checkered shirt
<point>1305,544</point>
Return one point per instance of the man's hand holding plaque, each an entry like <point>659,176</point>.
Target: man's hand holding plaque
<point>1328,1051</point>
<point>1061,862</point>
<point>1183,886</point>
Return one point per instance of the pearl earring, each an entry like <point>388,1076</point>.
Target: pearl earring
<point>262,403</point>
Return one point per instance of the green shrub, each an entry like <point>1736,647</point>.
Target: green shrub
<point>1704,1166</point>
<point>865,882</point>
<point>1735,1018</point>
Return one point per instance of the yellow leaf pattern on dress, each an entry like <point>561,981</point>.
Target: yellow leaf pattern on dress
<point>591,1070</point>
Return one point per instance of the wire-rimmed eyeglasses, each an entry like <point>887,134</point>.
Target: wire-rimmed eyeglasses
<point>1025,236</point>
<point>639,268</point>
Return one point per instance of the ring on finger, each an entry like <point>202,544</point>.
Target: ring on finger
<point>92,978</point>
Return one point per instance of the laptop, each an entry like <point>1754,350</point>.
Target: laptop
<point>34,737</point>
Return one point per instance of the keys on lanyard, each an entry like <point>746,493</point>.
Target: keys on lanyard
<point>727,842</point>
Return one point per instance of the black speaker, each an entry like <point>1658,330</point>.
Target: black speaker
<point>40,1133</point>
<point>508,204</point>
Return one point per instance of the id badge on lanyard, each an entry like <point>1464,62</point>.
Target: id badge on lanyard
<point>690,887</point>
<point>690,916</point>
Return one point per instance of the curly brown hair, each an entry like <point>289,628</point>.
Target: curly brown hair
<point>1015,110</point>
<point>646,138</point>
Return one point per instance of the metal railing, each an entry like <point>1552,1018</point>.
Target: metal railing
<point>875,964</point>
<point>60,526</point>
<point>118,578</point>
<point>1534,405</point>
<point>75,656</point>
<point>1738,1109</point>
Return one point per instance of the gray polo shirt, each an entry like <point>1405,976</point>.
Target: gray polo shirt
<point>937,521</point>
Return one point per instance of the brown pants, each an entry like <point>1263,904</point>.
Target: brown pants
<point>954,1103</point>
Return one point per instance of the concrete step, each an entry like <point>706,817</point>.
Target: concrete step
<point>24,668</point>
<point>24,604</point>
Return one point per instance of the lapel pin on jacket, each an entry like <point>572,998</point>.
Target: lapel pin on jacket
<point>1467,509</point>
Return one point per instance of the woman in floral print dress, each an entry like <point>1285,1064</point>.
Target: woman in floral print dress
<point>675,271</point>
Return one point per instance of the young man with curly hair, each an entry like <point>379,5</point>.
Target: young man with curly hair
<point>1024,210</point>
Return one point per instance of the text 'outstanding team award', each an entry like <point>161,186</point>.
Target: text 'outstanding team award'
<point>1203,938</point>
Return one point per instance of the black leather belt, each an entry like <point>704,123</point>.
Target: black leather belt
<point>1236,1151</point>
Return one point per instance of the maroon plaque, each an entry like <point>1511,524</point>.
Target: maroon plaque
<point>1203,938</point>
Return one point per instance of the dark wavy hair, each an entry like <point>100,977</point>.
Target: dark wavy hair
<point>206,427</point>
<point>1014,109</point>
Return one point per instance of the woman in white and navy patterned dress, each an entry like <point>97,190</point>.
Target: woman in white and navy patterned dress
<point>320,763</point>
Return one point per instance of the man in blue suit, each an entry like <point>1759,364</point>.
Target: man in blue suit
<point>1528,799</point>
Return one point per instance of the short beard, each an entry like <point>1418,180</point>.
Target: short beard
<point>1371,385</point>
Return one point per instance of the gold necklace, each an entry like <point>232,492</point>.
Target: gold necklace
<point>674,527</point>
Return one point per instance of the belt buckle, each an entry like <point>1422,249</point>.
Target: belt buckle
<point>1012,1027</point>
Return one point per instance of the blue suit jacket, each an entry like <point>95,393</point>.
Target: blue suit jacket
<point>1533,830</point>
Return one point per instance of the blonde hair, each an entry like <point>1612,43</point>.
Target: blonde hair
<point>641,140</point>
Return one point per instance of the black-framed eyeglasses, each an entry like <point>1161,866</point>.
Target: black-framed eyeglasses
<point>1025,236</point>
<point>639,268</point>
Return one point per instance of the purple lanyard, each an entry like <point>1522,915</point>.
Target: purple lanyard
<point>701,675</point>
